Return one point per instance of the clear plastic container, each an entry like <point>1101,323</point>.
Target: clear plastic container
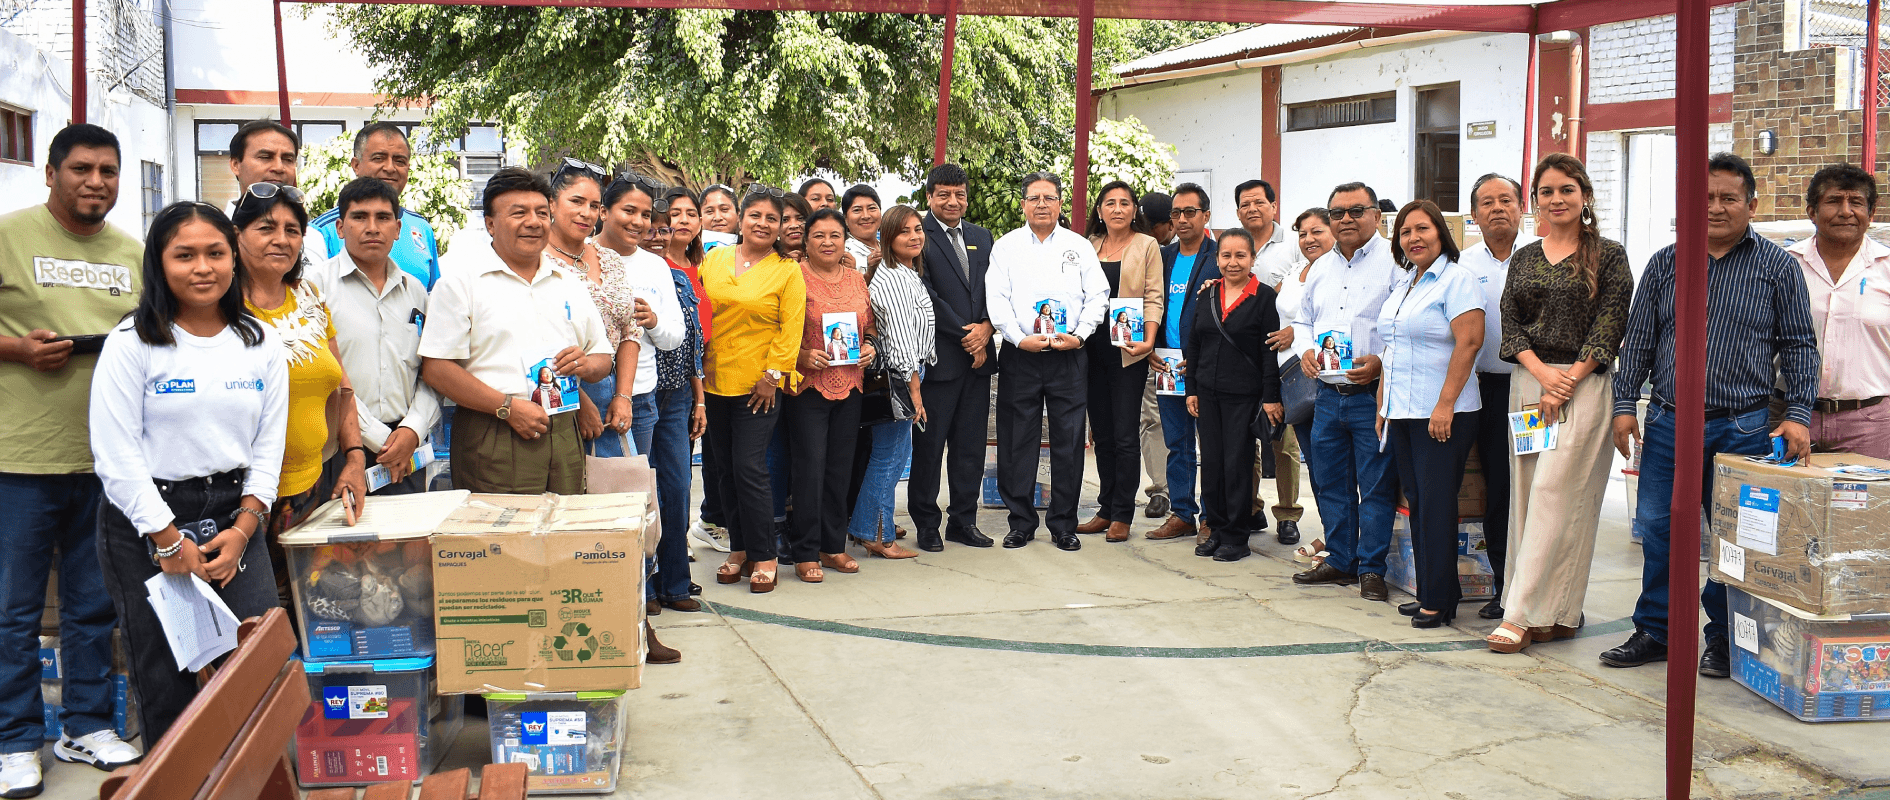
<point>365,591</point>
<point>1819,669</point>
<point>571,742</point>
<point>373,721</point>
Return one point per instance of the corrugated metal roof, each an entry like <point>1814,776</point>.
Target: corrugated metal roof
<point>1227,44</point>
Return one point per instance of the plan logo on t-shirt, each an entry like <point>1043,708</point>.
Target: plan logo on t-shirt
<point>175,386</point>
<point>74,274</point>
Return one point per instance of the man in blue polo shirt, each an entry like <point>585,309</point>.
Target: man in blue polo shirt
<point>381,151</point>
<point>1185,264</point>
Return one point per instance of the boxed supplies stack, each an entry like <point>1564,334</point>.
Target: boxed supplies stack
<point>373,721</point>
<point>541,593</point>
<point>366,591</point>
<point>1819,669</point>
<point>52,673</point>
<point>571,742</point>
<point>1815,537</point>
<point>1473,558</point>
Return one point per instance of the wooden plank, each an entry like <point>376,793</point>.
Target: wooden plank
<point>281,782</point>
<point>391,790</point>
<point>213,719</point>
<point>112,782</point>
<point>446,785</point>
<point>502,782</point>
<point>245,767</point>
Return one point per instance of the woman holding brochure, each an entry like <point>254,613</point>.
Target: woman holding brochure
<point>190,409</point>
<point>1565,309</point>
<point>1118,373</point>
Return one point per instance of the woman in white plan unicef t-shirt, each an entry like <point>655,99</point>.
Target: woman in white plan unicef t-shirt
<point>189,412</point>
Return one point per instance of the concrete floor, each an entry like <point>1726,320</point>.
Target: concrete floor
<point>1140,671</point>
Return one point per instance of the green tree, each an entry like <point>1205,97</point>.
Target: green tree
<point>434,190</point>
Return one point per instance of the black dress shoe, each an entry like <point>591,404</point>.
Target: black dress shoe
<point>1289,532</point>
<point>929,541</point>
<point>969,537</point>
<point>1208,546</point>
<point>1157,507</point>
<point>695,588</point>
<point>1016,539</point>
<point>1716,660</point>
<point>1637,650</point>
<point>1371,586</point>
<point>1232,551</point>
<point>1432,619</point>
<point>1324,574</point>
<point>1066,541</point>
<point>1492,609</point>
<point>1410,609</point>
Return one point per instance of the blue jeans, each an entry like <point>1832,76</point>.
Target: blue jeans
<point>1354,481</point>
<point>44,512</point>
<point>1743,434</point>
<point>873,513</point>
<point>670,449</point>
<point>612,444</point>
<point>1178,434</point>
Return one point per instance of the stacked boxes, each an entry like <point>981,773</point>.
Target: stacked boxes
<point>373,721</point>
<point>1473,558</point>
<point>1819,669</point>
<point>571,741</point>
<point>52,688</point>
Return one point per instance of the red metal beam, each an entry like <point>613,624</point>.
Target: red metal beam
<point>1598,117</point>
<point>282,68</point>
<point>1085,112</point>
<point>1528,125</point>
<point>78,61</point>
<point>1568,15</point>
<point>1873,22</point>
<point>1691,56</point>
<point>945,82</point>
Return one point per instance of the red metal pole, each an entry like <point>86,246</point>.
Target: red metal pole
<point>1079,189</point>
<point>282,69</point>
<point>1692,28</point>
<point>78,61</point>
<point>945,82</point>
<point>1529,119</point>
<point>1872,95</point>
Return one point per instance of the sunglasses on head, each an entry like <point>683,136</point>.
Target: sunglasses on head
<point>574,165</point>
<point>718,187</point>
<point>264,191</point>
<point>1355,212</point>
<point>762,188</point>
<point>659,199</point>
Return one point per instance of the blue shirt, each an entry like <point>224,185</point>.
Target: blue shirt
<point>1177,297</point>
<point>674,368</point>
<point>1415,327</point>
<point>416,250</point>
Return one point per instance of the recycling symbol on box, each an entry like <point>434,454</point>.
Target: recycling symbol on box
<point>568,646</point>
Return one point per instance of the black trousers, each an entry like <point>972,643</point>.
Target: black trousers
<point>1115,421</point>
<point>1493,450</point>
<point>1431,473</point>
<point>739,438</point>
<point>1030,385</point>
<point>821,434</point>
<point>957,412</point>
<point>1227,450</point>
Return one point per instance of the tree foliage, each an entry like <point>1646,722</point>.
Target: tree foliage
<point>434,190</point>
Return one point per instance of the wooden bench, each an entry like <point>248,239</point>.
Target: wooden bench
<point>496,782</point>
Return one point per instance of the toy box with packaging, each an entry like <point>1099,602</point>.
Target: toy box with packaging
<point>1819,669</point>
<point>52,688</point>
<point>1039,492</point>
<point>1473,558</point>
<point>365,591</point>
<point>373,721</point>
<point>541,592</point>
<point>1814,536</point>
<point>572,742</point>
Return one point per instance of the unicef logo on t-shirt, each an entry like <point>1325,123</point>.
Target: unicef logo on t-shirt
<point>247,383</point>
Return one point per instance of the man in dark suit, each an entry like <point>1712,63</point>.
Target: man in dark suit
<point>1186,264</point>
<point>958,388</point>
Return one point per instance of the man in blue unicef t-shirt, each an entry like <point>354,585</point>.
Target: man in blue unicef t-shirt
<point>1186,264</point>
<point>381,151</point>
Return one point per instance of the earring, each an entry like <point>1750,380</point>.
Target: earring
<point>1588,214</point>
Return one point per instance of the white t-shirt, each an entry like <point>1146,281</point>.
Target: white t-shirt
<point>648,275</point>
<point>860,253</point>
<point>1291,291</point>
<point>203,406</point>
<point>487,318</point>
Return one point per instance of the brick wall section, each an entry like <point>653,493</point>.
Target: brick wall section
<point>1793,94</point>
<point>1633,60</point>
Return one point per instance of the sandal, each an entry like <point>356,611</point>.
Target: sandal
<point>733,571</point>
<point>809,572</point>
<point>839,562</point>
<point>1508,638</point>
<point>762,580</point>
<point>1313,553</point>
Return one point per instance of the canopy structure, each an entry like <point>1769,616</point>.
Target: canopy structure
<point>1691,118</point>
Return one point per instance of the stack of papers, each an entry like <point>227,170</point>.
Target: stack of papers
<point>197,624</point>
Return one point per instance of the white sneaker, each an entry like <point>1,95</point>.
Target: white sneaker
<point>102,749</point>
<point>715,537</point>
<point>19,775</point>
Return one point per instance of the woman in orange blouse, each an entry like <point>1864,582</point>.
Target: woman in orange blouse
<point>760,302</point>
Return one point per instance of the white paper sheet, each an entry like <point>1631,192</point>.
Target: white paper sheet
<point>197,624</point>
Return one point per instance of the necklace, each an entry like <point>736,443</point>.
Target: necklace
<point>575,258</point>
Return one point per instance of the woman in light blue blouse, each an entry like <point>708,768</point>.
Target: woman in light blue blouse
<point>1432,326</point>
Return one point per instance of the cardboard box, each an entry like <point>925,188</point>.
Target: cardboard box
<point>373,721</point>
<point>1039,492</point>
<point>1472,495</point>
<point>572,743</point>
<point>541,593</point>
<point>1819,669</point>
<point>1473,558</point>
<point>1805,536</point>
<point>365,591</point>
<point>124,707</point>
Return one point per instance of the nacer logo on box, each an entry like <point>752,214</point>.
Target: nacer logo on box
<point>81,275</point>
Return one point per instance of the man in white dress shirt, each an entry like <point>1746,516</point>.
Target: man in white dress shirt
<point>379,311</point>
<point>1356,494</point>
<point>1033,264</point>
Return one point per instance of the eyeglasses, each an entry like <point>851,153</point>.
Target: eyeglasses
<point>1185,213</point>
<point>574,165</point>
<point>1355,212</point>
<point>762,188</point>
<point>662,233</point>
<point>265,190</point>
<point>1043,199</point>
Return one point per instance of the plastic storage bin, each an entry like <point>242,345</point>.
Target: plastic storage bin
<point>365,591</point>
<point>373,721</point>
<point>1819,669</point>
<point>571,741</point>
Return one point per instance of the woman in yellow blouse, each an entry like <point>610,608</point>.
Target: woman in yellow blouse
<point>760,302</point>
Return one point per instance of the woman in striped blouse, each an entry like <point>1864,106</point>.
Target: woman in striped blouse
<point>902,311</point>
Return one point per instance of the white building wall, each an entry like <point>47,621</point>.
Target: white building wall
<point>1214,124</point>
<point>230,44</point>
<point>1634,60</point>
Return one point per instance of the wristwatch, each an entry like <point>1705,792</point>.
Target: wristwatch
<point>505,411</point>
<point>774,376</point>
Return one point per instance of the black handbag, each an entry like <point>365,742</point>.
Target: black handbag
<point>1297,393</point>
<point>883,397</point>
<point>1259,427</point>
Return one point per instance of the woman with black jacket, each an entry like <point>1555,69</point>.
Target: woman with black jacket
<point>1232,376</point>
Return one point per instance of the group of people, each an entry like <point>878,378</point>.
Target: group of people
<point>182,401</point>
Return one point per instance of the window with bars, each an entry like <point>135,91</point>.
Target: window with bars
<point>152,175</point>
<point>1340,112</point>
<point>16,135</point>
